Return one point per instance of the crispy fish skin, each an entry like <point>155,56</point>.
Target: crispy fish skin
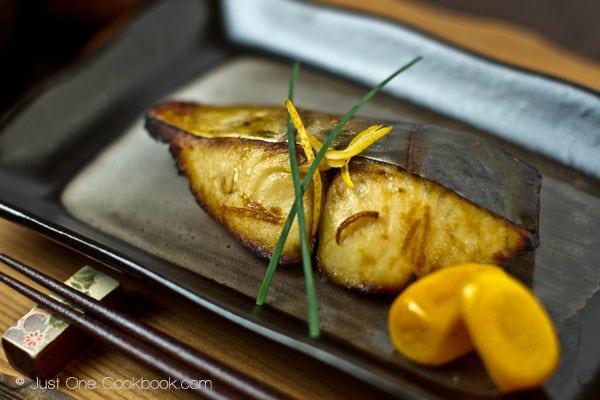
<point>469,166</point>
<point>268,124</point>
<point>424,197</point>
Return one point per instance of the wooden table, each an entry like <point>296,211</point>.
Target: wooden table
<point>290,372</point>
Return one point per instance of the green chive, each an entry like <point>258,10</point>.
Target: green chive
<point>314,330</point>
<point>262,294</point>
<point>311,295</point>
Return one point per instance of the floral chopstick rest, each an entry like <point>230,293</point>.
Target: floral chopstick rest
<point>41,344</point>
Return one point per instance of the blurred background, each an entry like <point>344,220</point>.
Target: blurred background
<point>573,24</point>
<point>38,38</point>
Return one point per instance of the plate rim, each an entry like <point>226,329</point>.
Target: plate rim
<point>48,224</point>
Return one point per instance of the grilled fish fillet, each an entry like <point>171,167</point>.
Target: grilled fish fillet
<point>423,197</point>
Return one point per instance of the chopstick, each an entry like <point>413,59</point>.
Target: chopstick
<point>144,343</point>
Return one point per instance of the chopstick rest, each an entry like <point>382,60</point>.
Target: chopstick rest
<point>41,344</point>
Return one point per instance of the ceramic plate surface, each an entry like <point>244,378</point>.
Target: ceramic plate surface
<point>77,165</point>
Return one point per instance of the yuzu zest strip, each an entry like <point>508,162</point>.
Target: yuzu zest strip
<point>310,157</point>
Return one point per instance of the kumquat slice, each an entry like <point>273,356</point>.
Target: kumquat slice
<point>425,323</point>
<point>510,329</point>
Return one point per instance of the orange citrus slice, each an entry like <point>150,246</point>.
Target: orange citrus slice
<point>425,321</point>
<point>511,331</point>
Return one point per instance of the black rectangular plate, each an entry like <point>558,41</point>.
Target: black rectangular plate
<point>76,165</point>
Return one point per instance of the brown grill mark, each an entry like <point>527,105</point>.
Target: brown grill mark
<point>410,234</point>
<point>257,211</point>
<point>415,242</point>
<point>421,259</point>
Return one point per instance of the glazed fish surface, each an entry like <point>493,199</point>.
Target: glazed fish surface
<point>423,197</point>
